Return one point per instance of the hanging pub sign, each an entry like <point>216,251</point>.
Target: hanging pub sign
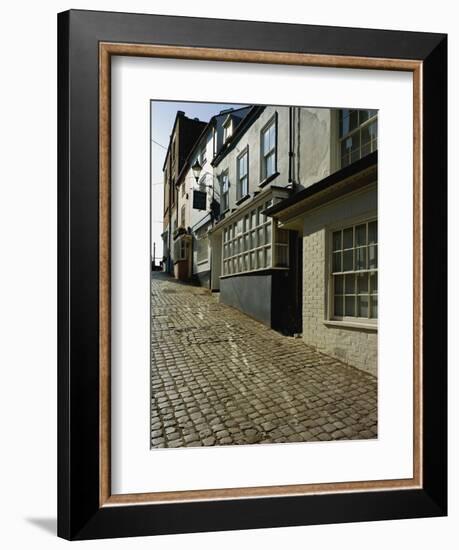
<point>199,199</point>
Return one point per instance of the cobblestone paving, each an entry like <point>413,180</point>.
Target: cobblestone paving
<point>222,378</point>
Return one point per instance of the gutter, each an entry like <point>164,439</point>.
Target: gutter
<point>328,182</point>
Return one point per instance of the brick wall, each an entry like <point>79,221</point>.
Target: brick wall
<point>357,347</point>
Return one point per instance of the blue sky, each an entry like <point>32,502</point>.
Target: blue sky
<point>162,119</point>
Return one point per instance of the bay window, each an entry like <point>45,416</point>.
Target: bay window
<point>252,243</point>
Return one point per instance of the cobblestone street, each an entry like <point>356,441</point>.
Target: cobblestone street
<point>222,378</point>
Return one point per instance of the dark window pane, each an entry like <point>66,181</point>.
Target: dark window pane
<point>372,232</point>
<point>261,257</point>
<point>366,134</point>
<point>362,306</point>
<point>348,238</point>
<point>339,286</point>
<point>372,257</point>
<point>349,309</point>
<point>337,240</point>
<point>343,122</point>
<point>355,155</point>
<point>338,305</point>
<point>346,148</point>
<point>373,283</point>
<point>374,307</point>
<point>268,256</point>
<point>361,258</point>
<point>337,261</point>
<point>362,283</point>
<point>268,233</point>
<point>349,284</point>
<point>361,235</point>
<point>353,120</point>
<point>366,150</point>
<point>261,240</point>
<point>364,115</point>
<point>348,260</point>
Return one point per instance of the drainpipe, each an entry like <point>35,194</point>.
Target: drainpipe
<point>290,143</point>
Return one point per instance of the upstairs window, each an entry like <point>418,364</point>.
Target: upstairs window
<point>203,155</point>
<point>227,129</point>
<point>358,134</point>
<point>224,194</point>
<point>243,175</point>
<point>268,149</point>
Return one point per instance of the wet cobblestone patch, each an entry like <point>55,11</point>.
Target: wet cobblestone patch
<point>222,378</point>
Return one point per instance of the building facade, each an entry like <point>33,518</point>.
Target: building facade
<point>264,163</point>
<point>198,199</point>
<point>185,132</point>
<point>282,222</point>
<point>336,217</point>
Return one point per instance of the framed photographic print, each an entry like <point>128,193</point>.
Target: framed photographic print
<point>252,274</point>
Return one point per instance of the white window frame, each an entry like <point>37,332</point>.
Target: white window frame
<point>239,255</point>
<point>203,155</point>
<point>240,191</point>
<point>227,129</point>
<point>182,249</point>
<point>273,151</point>
<point>224,194</point>
<point>201,240</point>
<point>369,322</point>
<point>373,144</point>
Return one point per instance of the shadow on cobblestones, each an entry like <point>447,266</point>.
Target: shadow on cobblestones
<point>222,378</point>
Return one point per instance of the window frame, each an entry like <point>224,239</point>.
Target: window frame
<point>348,320</point>
<point>242,154</point>
<point>273,120</point>
<point>231,237</point>
<point>355,131</point>
<point>200,240</point>
<point>227,128</point>
<point>203,154</point>
<point>224,174</point>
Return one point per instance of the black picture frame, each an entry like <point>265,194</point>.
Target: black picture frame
<point>80,515</point>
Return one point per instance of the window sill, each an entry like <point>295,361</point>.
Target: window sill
<point>349,324</point>
<point>242,199</point>
<point>268,179</point>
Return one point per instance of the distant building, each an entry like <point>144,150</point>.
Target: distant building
<point>198,201</point>
<point>185,132</point>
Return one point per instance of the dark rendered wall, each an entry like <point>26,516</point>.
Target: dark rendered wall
<point>272,297</point>
<point>202,278</point>
<point>251,294</point>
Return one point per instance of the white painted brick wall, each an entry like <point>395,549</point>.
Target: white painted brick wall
<point>352,346</point>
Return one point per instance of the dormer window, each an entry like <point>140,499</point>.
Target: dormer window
<point>227,129</point>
